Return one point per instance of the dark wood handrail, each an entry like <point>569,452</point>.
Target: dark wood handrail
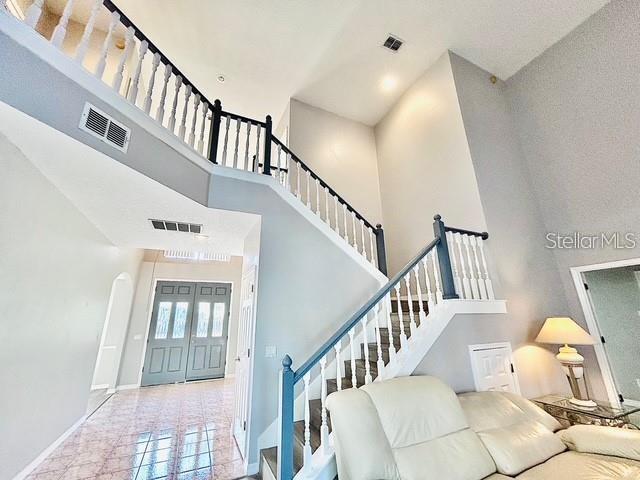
<point>482,235</point>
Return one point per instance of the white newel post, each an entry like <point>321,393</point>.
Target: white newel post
<point>133,91</point>
<point>307,420</point>
<point>128,45</point>
<point>102,62</point>
<point>152,80</point>
<point>324,427</point>
<point>83,46</point>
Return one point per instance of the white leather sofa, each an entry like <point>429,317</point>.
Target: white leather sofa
<point>418,428</point>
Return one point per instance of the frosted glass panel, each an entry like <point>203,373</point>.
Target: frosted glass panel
<point>204,312</point>
<point>162,325</point>
<point>180,319</point>
<point>218,319</point>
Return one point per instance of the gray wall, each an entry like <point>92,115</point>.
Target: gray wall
<point>615,295</point>
<point>56,272</point>
<point>307,288</point>
<point>577,110</point>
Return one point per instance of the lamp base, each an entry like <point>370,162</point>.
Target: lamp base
<point>586,404</point>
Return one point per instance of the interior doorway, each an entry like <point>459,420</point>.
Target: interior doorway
<point>610,297</point>
<point>188,332</point>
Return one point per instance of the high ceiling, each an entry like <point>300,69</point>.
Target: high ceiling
<point>327,53</point>
<point>89,179</point>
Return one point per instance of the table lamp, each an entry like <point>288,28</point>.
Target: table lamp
<point>564,331</point>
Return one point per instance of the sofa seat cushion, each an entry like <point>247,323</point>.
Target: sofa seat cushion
<point>517,434</point>
<point>497,476</point>
<point>584,466</point>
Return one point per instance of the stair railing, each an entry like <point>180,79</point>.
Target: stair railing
<point>430,278</point>
<point>147,78</point>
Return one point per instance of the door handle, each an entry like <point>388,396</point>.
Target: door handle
<point>237,359</point>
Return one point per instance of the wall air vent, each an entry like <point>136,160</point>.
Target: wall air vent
<point>173,226</point>
<point>393,43</point>
<point>102,126</point>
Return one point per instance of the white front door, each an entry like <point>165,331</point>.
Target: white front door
<point>492,367</point>
<point>243,361</point>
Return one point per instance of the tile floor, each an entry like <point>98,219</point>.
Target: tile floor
<point>172,432</point>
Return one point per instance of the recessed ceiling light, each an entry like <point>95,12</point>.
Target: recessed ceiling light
<point>389,83</point>
<point>221,78</point>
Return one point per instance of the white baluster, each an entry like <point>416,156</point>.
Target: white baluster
<point>326,206</point>
<point>205,110</point>
<point>436,275</point>
<point>487,281</point>
<point>174,105</point>
<point>245,165</point>
<point>3,6</point>
<point>256,160</point>
<point>298,174</point>
<point>466,286</point>
<point>380,363</point>
<point>353,230</point>
<point>403,336</point>
<point>307,455</point>
<point>421,313</point>
<point>354,379</point>
<point>128,45</point>
<point>336,226</point>
<point>163,95</point>
<point>317,197</point>
<point>337,348</point>
<point>367,367</point>
<point>324,427</point>
<point>61,29</point>
<point>412,318</point>
<point>454,264</point>
<point>226,141</point>
<point>364,248</point>
<point>185,109</point>
<point>152,80</point>
<point>133,91</point>
<point>427,280</point>
<point>286,178</point>
<point>83,46</point>
<point>481,285</point>
<point>33,13</point>
<point>192,133</point>
<point>472,279</point>
<point>373,252</point>
<point>102,62</point>
<point>392,345</point>
<point>277,164</point>
<point>308,189</point>
<point>344,215</point>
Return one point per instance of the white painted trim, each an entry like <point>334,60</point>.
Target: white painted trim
<point>253,468</point>
<point>49,450</point>
<point>592,324</point>
<point>490,346</point>
<point>131,386</point>
<point>99,387</point>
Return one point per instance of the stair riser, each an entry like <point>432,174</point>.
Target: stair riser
<point>405,305</point>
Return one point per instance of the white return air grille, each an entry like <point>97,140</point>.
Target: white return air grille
<point>102,126</point>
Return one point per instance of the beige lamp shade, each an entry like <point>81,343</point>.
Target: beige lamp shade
<point>563,331</point>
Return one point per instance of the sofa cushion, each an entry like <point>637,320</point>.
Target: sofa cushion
<point>584,466</point>
<point>515,435</point>
<point>619,442</point>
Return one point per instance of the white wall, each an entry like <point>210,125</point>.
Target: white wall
<point>342,152</point>
<point>56,272</point>
<point>156,267</point>
<point>425,166</point>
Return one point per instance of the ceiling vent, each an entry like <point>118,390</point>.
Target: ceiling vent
<point>102,126</point>
<point>393,43</point>
<point>172,226</point>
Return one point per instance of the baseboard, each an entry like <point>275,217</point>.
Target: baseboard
<point>47,451</point>
<point>253,468</point>
<point>130,386</point>
<point>230,375</point>
<point>99,387</point>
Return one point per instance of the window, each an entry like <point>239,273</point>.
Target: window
<point>218,319</point>
<point>180,321</point>
<point>162,325</point>
<point>204,311</point>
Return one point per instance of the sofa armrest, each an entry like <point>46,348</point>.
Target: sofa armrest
<point>617,442</point>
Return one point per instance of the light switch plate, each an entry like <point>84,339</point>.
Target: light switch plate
<point>270,351</point>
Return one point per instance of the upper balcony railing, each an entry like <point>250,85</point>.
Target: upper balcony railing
<point>115,50</point>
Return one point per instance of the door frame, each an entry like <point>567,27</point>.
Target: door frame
<point>150,302</point>
<point>490,346</point>
<point>577,274</point>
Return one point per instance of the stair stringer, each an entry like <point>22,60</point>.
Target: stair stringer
<point>404,363</point>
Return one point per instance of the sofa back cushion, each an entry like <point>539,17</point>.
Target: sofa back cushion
<point>517,434</point>
<point>409,428</point>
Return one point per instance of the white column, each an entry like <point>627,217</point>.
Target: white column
<point>205,110</point>
<point>307,420</point>
<point>482,289</point>
<point>133,91</point>
<point>163,94</point>
<point>102,62</point>
<point>354,379</point>
<point>487,281</point>
<point>412,318</point>
<point>367,367</point>
<point>128,45</point>
<point>192,133</point>
<point>421,313</point>
<point>33,13</point>
<point>466,286</point>
<point>337,348</point>
<point>83,46</point>
<point>185,109</point>
<point>403,336</point>
<point>152,80</point>
<point>324,427</point>
<point>472,279</point>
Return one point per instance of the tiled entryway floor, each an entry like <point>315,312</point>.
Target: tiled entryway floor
<point>173,432</point>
